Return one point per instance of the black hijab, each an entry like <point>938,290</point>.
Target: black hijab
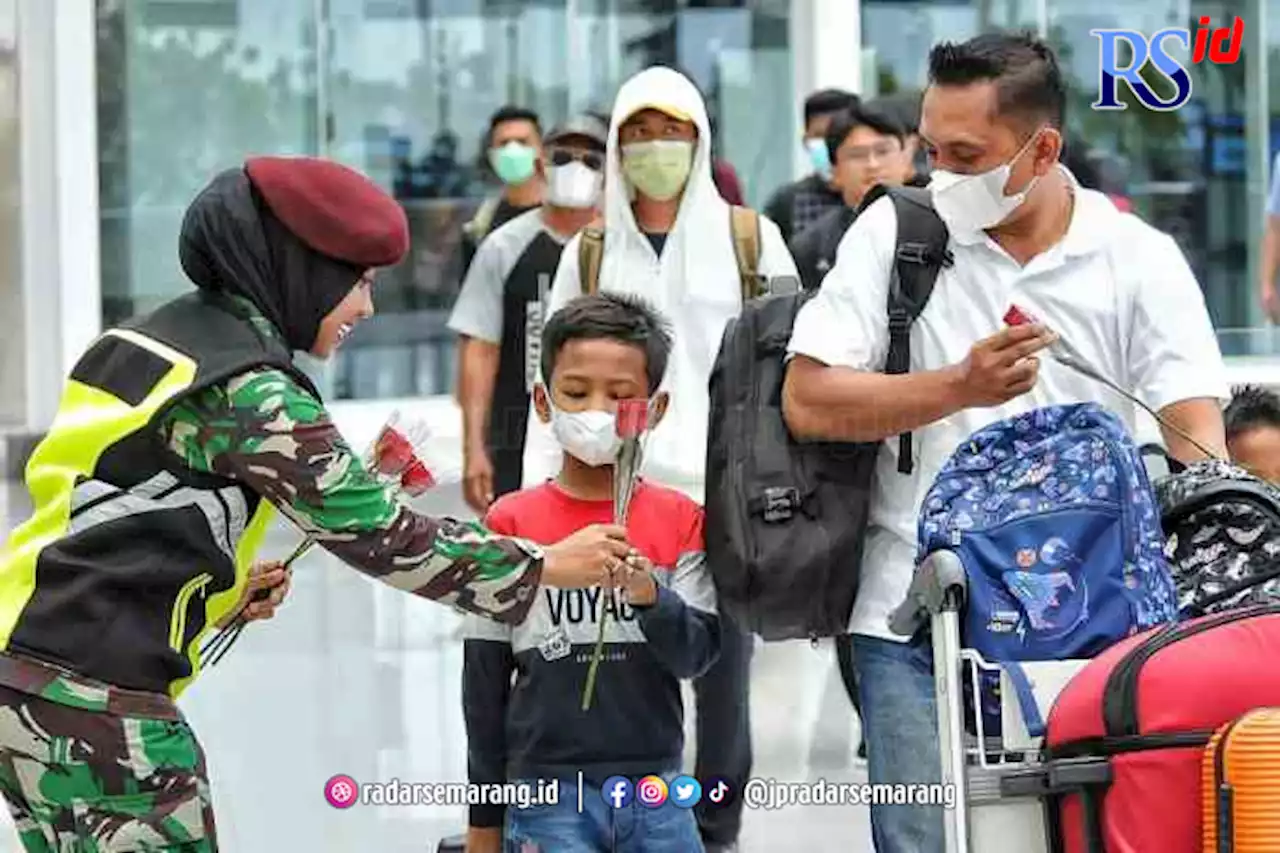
<point>230,242</point>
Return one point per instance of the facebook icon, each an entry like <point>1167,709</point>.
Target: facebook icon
<point>617,791</point>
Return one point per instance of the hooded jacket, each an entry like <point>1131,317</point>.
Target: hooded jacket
<point>694,283</point>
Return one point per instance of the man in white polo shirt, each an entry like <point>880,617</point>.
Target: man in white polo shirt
<point>1022,231</point>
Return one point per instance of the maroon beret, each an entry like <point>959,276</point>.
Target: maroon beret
<point>333,209</point>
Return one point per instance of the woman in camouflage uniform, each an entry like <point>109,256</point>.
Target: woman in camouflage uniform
<point>176,435</point>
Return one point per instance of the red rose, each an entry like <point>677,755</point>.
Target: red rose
<point>632,418</point>
<point>392,454</point>
<point>416,479</point>
<point>1016,316</point>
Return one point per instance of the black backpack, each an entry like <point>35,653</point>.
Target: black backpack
<point>1222,529</point>
<point>785,520</point>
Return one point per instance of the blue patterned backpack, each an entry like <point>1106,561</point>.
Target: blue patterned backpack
<point>1056,523</point>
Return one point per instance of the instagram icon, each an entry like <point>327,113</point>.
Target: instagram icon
<point>651,791</point>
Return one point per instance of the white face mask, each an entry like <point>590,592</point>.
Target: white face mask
<point>589,436</point>
<point>573,185</point>
<point>969,203</point>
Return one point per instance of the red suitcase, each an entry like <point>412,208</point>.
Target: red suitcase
<point>1128,733</point>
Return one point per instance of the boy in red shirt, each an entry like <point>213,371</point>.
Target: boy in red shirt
<point>596,351</point>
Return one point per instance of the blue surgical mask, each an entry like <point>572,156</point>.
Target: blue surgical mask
<point>819,156</point>
<point>514,163</point>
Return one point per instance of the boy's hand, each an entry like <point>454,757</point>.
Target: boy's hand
<point>585,558</point>
<point>484,839</point>
<point>272,576</point>
<point>634,577</point>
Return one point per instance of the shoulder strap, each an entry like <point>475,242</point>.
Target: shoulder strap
<point>919,255</point>
<point>478,227</point>
<point>590,257</point>
<point>744,224</point>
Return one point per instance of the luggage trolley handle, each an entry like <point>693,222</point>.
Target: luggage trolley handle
<point>936,596</point>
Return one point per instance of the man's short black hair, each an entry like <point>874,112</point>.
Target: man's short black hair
<point>511,112</point>
<point>617,317</point>
<point>1028,80</point>
<point>1252,407</point>
<point>826,101</point>
<point>848,121</point>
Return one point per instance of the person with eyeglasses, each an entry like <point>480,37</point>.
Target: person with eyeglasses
<point>868,146</point>
<point>498,315</point>
<point>797,205</point>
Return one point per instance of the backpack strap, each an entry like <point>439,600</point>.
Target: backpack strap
<point>590,257</point>
<point>478,227</point>
<point>919,255</point>
<point>744,224</point>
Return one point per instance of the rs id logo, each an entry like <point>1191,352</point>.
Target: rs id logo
<point>1221,46</point>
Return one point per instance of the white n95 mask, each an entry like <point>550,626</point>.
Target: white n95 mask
<point>969,203</point>
<point>574,184</point>
<point>589,436</point>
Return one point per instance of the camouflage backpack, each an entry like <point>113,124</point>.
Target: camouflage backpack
<point>1223,536</point>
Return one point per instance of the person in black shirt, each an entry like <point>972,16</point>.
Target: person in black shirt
<point>868,147</point>
<point>795,206</point>
<point>498,315</point>
<point>513,147</point>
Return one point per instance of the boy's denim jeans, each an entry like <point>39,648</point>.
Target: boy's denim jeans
<point>899,719</point>
<point>600,828</point>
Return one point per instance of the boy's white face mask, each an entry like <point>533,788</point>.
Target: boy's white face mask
<point>589,436</point>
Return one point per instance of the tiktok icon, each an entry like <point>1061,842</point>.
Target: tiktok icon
<point>718,793</point>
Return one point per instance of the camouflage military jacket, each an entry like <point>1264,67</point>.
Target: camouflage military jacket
<point>243,429</point>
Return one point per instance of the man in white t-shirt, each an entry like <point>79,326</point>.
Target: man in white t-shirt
<point>1022,231</point>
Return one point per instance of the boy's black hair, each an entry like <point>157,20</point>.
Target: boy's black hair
<point>848,121</point>
<point>1025,70</point>
<point>826,101</point>
<point>1252,407</point>
<point>617,317</point>
<point>511,112</point>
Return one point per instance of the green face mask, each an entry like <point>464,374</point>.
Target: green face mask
<point>514,163</point>
<point>660,168</point>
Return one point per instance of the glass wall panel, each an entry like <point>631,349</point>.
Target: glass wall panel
<point>13,342</point>
<point>13,349</point>
<point>403,90</point>
<point>408,90</point>
<point>1185,171</point>
<point>185,90</point>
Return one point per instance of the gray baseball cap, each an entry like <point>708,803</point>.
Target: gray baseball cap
<point>586,126</point>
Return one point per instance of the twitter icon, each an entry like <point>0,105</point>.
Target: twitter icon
<point>685,792</point>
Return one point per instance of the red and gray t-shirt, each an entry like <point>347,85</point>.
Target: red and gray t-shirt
<point>534,727</point>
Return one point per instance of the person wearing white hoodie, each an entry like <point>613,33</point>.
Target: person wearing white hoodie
<point>667,238</point>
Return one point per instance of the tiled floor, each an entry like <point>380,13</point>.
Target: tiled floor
<point>352,677</point>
